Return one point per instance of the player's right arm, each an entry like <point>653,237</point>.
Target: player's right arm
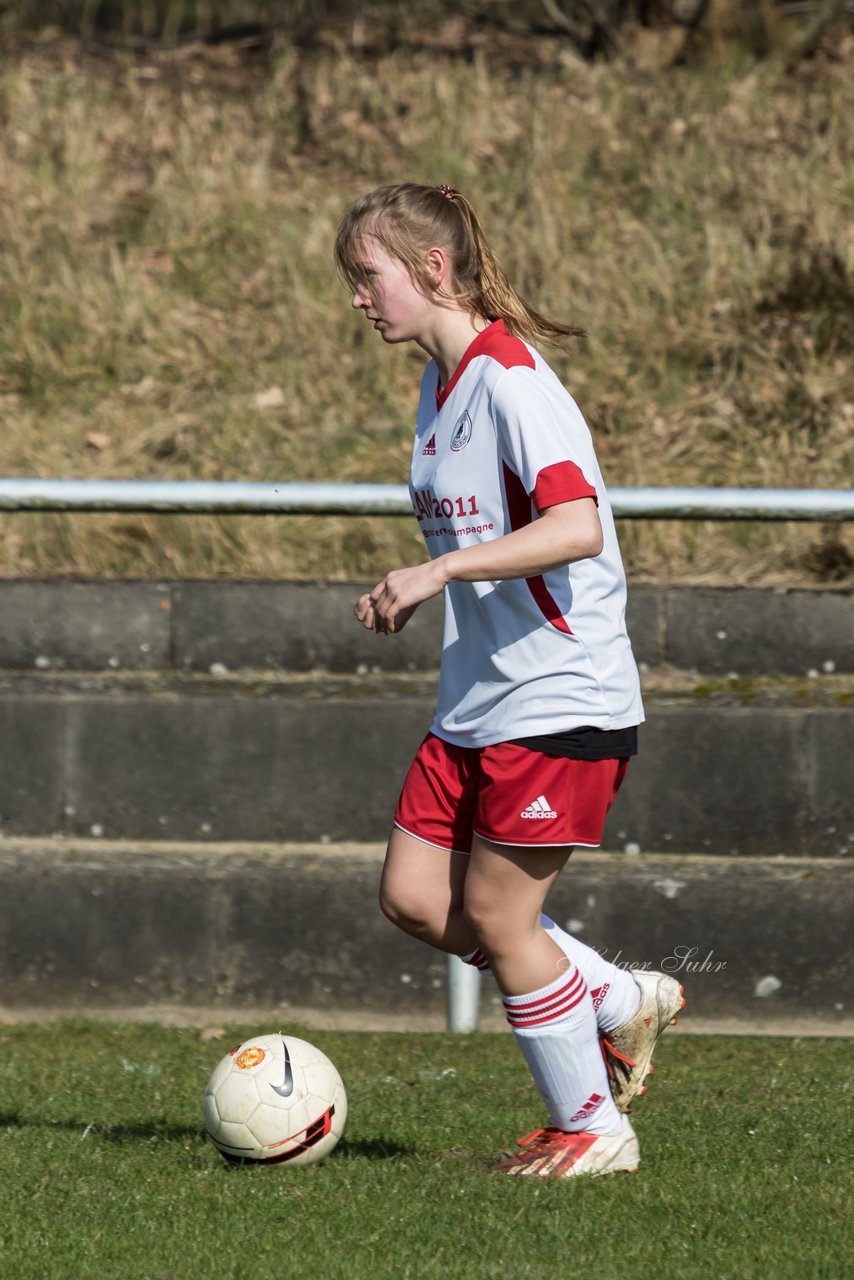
<point>366,613</point>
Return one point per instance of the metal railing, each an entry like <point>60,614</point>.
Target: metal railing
<point>213,497</point>
<point>219,497</point>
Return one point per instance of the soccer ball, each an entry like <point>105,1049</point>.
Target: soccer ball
<point>275,1099</point>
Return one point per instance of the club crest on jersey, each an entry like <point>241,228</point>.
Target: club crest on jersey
<point>462,433</point>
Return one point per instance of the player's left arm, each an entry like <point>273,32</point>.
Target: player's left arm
<point>544,442</point>
<point>564,533</point>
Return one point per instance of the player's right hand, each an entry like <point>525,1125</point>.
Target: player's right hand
<point>370,620</point>
<point>364,611</point>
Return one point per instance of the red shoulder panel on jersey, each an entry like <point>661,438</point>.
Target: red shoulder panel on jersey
<point>519,509</point>
<point>493,341</point>
<point>561,482</point>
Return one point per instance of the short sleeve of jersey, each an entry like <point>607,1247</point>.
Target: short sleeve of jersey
<point>543,438</point>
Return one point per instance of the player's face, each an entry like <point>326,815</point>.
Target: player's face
<point>389,297</point>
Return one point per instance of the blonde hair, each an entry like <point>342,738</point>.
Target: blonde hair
<point>409,219</point>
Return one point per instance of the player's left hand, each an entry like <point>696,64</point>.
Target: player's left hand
<point>394,600</point>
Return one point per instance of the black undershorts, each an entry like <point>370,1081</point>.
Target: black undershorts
<point>584,743</point>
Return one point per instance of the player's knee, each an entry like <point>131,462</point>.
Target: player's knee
<point>487,922</point>
<point>389,905</point>
<point>402,910</point>
<point>501,927</point>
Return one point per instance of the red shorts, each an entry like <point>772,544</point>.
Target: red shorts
<point>507,794</point>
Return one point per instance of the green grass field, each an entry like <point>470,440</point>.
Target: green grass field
<point>106,1171</point>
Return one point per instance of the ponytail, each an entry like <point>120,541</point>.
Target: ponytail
<point>407,220</point>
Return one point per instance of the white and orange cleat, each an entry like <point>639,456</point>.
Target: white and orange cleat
<point>553,1153</point>
<point>628,1050</point>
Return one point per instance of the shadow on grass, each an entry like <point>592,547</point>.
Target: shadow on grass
<point>371,1149</point>
<point>111,1132</point>
<point>350,1149</point>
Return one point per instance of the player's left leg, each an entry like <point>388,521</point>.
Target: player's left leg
<point>550,1010</point>
<point>504,889</point>
<point>617,997</point>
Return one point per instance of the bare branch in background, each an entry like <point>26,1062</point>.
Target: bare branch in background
<point>692,23</point>
<point>827,13</point>
<point>560,19</point>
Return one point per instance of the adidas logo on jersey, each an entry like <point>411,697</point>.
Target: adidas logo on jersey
<point>593,1102</point>
<point>430,446</point>
<point>539,808</point>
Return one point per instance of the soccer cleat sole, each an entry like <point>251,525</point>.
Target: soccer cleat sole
<point>628,1050</point>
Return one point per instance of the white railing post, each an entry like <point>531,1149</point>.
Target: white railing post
<point>463,995</point>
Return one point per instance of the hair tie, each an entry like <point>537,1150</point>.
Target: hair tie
<point>447,192</point>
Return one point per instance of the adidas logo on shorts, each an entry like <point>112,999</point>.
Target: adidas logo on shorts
<point>539,808</point>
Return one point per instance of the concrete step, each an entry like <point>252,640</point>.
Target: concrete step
<point>300,626</point>
<point>727,766</point>
<point>761,944</point>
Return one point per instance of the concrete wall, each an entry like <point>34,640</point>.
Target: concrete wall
<point>211,713</point>
<point>758,942</point>
<point>304,758</point>
<point>286,626</point>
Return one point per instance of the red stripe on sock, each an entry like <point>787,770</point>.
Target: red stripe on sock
<point>569,996</point>
<point>526,1006</point>
<point>554,1015</point>
<point>553,1008</point>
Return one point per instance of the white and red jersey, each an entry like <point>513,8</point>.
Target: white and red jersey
<point>499,444</point>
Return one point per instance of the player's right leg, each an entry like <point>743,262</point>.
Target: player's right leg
<point>549,1009</point>
<point>421,891</point>
<point>633,1010</point>
<point>614,992</point>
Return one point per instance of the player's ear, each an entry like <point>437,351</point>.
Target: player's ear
<point>438,267</point>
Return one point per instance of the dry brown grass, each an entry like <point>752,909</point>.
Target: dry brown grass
<point>165,237</point>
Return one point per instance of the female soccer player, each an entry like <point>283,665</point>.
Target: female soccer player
<point>539,700</point>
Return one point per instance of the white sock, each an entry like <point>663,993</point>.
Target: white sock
<point>478,960</point>
<point>555,1028</point>
<point>615,994</point>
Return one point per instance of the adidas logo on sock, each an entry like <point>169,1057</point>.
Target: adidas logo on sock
<point>599,995</point>
<point>430,446</point>
<point>593,1102</point>
<point>539,808</point>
